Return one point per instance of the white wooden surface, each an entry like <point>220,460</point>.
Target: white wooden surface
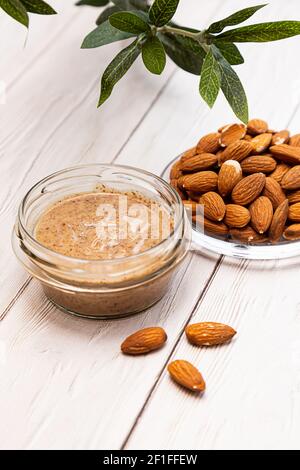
<point>63,382</point>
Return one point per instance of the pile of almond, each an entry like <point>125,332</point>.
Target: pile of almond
<point>248,180</point>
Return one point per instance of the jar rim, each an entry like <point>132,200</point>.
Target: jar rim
<point>82,261</point>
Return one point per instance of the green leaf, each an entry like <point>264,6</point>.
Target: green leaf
<point>154,56</point>
<point>16,10</point>
<point>106,14</point>
<point>230,52</point>
<point>237,18</point>
<point>129,22</point>
<point>178,51</point>
<point>93,3</point>
<point>210,79</point>
<point>162,11</point>
<point>104,34</point>
<point>263,32</point>
<point>232,87</point>
<point>38,6</point>
<point>117,69</point>
<point>131,4</point>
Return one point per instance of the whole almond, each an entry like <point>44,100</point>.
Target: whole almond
<point>236,216</point>
<point>247,235</point>
<point>201,182</point>
<point>248,137</point>
<point>281,137</point>
<point>286,153</point>
<point>237,151</point>
<point>248,189</point>
<point>294,212</point>
<point>214,206</point>
<point>175,185</point>
<point>215,228</point>
<point>144,341</point>
<point>176,172</point>
<point>257,164</point>
<point>261,142</point>
<point>294,197</point>
<point>210,143</point>
<point>279,172</point>
<point>209,333</point>
<point>188,153</point>
<point>257,126</point>
<point>291,179</point>
<point>193,195</point>
<point>278,222</point>
<point>187,375</point>
<point>295,140</point>
<point>229,175</point>
<point>274,192</point>
<point>232,133</point>
<point>292,232</point>
<point>199,162</point>
<point>261,211</point>
<point>190,206</point>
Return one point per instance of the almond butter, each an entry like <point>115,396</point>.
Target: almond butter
<point>214,206</point>
<point>199,162</point>
<point>210,143</point>
<point>201,182</point>
<point>274,192</point>
<point>295,140</point>
<point>261,211</point>
<point>257,126</point>
<point>291,179</point>
<point>292,232</point>
<point>294,212</point>
<point>248,189</point>
<point>286,153</point>
<point>261,142</point>
<point>229,175</point>
<point>232,133</point>
<point>209,333</point>
<point>144,341</point>
<point>279,172</point>
<point>257,164</point>
<point>216,228</point>
<point>278,222</point>
<point>281,137</point>
<point>236,216</point>
<point>247,235</point>
<point>187,375</point>
<point>294,197</point>
<point>237,151</point>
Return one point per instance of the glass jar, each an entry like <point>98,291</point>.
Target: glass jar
<point>109,288</point>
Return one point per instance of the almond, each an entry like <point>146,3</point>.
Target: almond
<point>174,184</point>
<point>214,206</point>
<point>256,164</point>
<point>190,206</point>
<point>247,235</point>
<point>294,197</point>
<point>248,189</point>
<point>261,142</point>
<point>193,195</point>
<point>278,221</point>
<point>295,140</point>
<point>215,228</point>
<point>175,172</point>
<point>188,153</point>
<point>236,216</point>
<point>291,179</point>
<point>292,232</point>
<point>286,153</point>
<point>200,182</point>
<point>248,137</point>
<point>261,211</point>
<point>257,126</point>
<point>209,333</point>
<point>274,192</point>
<point>294,212</point>
<point>185,374</point>
<point>199,162</point>
<point>237,151</point>
<point>230,174</point>
<point>281,137</point>
<point>210,143</point>
<point>280,171</point>
<point>144,341</point>
<point>232,133</point>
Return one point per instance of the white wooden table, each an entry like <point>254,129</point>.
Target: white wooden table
<point>63,381</point>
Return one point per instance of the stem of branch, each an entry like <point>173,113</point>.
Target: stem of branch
<point>198,36</point>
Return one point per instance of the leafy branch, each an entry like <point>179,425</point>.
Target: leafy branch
<point>19,9</point>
